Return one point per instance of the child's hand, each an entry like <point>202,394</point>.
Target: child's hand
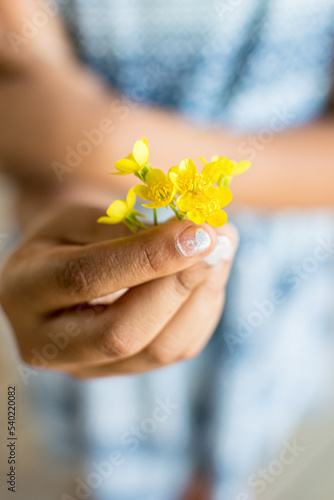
<point>171,304</point>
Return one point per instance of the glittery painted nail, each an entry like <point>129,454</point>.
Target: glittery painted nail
<point>193,241</point>
<point>224,250</point>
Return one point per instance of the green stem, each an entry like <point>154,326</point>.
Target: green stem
<point>155,216</point>
<point>178,215</point>
<point>130,225</point>
<point>139,175</point>
<point>140,224</point>
<point>224,181</point>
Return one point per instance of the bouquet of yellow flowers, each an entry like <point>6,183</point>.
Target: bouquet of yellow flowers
<point>198,196</point>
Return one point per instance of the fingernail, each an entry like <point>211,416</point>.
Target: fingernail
<point>224,250</point>
<point>193,241</point>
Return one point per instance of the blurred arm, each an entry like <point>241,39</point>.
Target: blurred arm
<point>48,105</point>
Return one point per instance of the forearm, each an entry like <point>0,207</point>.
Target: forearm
<point>48,113</point>
<point>295,169</point>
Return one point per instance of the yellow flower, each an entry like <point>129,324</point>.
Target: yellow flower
<point>205,206</point>
<point>159,190</point>
<point>119,210</point>
<point>122,211</point>
<point>228,169</point>
<point>186,178</point>
<point>135,161</point>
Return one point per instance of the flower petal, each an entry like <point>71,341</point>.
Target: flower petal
<point>117,210</point>
<point>188,167</point>
<point>226,166</point>
<point>177,180</point>
<point>211,172</point>
<point>142,191</point>
<point>105,220</point>
<point>173,170</point>
<point>186,202</point>
<point>141,152</point>
<point>183,177</point>
<point>208,194</point>
<point>196,217</point>
<point>131,198</point>
<point>241,167</point>
<point>224,196</point>
<point>156,176</point>
<point>126,166</point>
<point>156,204</point>
<point>218,219</point>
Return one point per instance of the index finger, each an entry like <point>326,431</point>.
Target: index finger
<point>64,276</point>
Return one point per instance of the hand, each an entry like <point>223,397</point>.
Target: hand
<point>160,300</point>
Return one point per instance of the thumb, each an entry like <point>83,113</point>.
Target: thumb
<point>72,274</point>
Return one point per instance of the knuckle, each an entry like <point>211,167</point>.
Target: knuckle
<point>114,343</point>
<point>184,283</point>
<point>161,355</point>
<point>77,275</point>
<point>150,259</point>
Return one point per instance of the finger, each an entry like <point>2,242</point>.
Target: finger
<point>124,328</point>
<point>201,313</point>
<point>70,274</point>
<point>182,337</point>
<point>185,335</point>
<point>75,224</point>
<point>225,245</point>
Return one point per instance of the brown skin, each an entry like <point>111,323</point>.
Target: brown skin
<point>43,111</point>
<point>45,104</point>
<point>47,101</point>
<point>67,260</point>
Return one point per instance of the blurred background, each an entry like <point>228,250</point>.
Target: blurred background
<point>254,79</point>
